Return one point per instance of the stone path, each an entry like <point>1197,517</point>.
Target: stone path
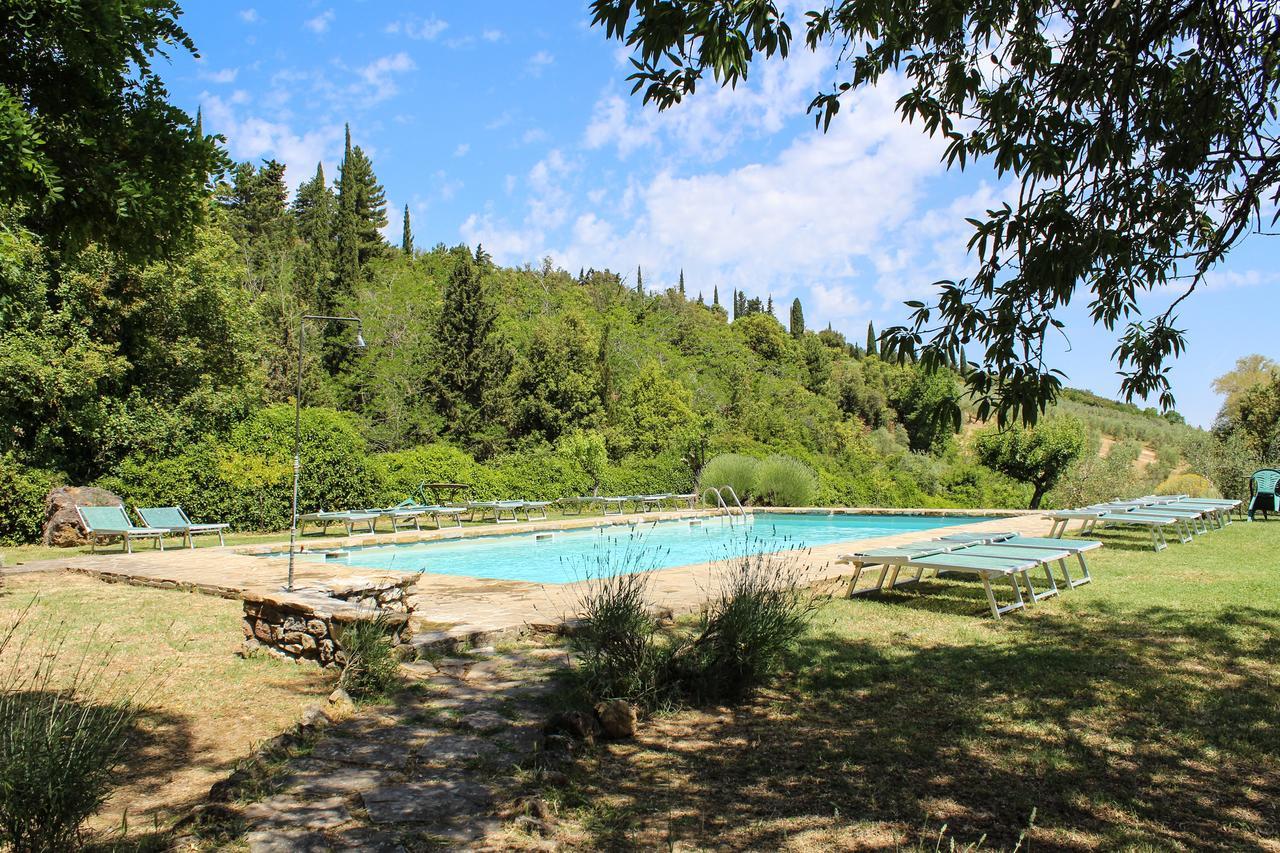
<point>431,770</point>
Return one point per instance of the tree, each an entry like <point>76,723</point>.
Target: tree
<point>715,294</point>
<point>1038,455</point>
<point>406,235</point>
<point>362,214</point>
<point>639,282</point>
<point>347,261</point>
<point>680,287</point>
<point>797,319</point>
<point>1250,371</point>
<point>871,338</point>
<point>470,356</point>
<point>769,305</point>
<point>1141,139</point>
<point>90,148</point>
<point>315,212</point>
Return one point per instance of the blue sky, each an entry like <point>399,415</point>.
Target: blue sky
<point>511,124</point>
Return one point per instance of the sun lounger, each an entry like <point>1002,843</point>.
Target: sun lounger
<point>1091,518</point>
<point>1076,547</point>
<point>889,560</point>
<point>620,504</point>
<point>348,520</point>
<point>498,509</point>
<point>648,502</point>
<point>173,518</point>
<point>530,507</point>
<point>109,522</point>
<point>1190,521</point>
<point>960,560</point>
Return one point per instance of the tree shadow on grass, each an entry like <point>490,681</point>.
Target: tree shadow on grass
<point>1147,727</point>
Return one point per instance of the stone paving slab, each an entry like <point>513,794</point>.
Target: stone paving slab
<point>426,802</point>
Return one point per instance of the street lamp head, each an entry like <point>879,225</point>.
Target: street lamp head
<point>359,341</point>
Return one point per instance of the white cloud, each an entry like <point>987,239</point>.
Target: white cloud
<point>378,75</point>
<point>492,35</point>
<point>532,135</point>
<point>249,16</point>
<point>254,138</point>
<point>423,29</point>
<point>539,62</point>
<point>461,150</point>
<point>320,22</point>
<point>225,75</point>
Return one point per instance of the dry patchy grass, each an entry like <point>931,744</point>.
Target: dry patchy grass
<point>206,707</point>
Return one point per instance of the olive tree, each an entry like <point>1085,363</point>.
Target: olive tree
<point>1038,455</point>
<point>1141,138</point>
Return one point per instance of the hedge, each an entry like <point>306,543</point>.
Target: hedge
<point>22,500</point>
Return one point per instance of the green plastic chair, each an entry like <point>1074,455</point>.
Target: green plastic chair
<point>176,520</point>
<point>1262,492</point>
<point>111,522</point>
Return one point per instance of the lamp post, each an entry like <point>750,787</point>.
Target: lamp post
<point>297,425</point>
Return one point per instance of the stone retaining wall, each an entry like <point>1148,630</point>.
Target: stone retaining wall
<point>307,624</point>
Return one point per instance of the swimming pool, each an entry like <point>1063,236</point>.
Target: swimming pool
<point>569,555</point>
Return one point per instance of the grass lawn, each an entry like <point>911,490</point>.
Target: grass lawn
<point>206,707</point>
<point>1141,712</point>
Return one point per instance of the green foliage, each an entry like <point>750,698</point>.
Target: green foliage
<point>60,740</point>
<point>1192,485</point>
<point>653,413</point>
<point>764,335</point>
<point>1228,462</point>
<point>586,449</point>
<point>731,469</point>
<point>797,319</point>
<point>372,669</point>
<point>1037,455</point>
<point>1189,130</point>
<point>759,611</point>
<point>783,481</point>
<point>93,150</point>
<point>22,500</point>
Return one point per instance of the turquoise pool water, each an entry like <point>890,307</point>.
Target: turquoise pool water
<point>572,555</point>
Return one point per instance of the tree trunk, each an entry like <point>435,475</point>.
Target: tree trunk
<point>1037,495</point>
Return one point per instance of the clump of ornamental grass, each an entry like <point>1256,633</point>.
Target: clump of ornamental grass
<point>64,725</point>
<point>372,669</point>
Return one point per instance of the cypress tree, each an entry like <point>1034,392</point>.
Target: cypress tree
<point>769,306</point>
<point>406,236</point>
<point>347,263</point>
<point>871,339</point>
<point>737,304</point>
<point>315,211</point>
<point>715,294</point>
<point>797,319</point>
<point>682,282</point>
<point>639,282</point>
<point>470,359</point>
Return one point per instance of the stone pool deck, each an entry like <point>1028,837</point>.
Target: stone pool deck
<point>453,607</point>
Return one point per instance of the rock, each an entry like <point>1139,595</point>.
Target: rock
<point>313,717</point>
<point>533,826</point>
<point>340,703</point>
<point>483,721</point>
<point>579,725</point>
<point>425,802</point>
<point>555,777</point>
<point>617,717</point>
<point>317,628</point>
<point>62,527</point>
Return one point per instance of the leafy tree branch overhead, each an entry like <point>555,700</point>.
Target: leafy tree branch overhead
<point>1141,139</point>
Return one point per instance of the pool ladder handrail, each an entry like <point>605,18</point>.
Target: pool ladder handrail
<point>720,501</point>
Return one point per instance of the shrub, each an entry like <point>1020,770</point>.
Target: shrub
<point>59,742</point>
<point>641,475</point>
<point>732,469</point>
<point>372,669</point>
<point>783,481</point>
<point>1188,484</point>
<point>22,497</point>
<point>760,611</point>
<point>620,651</point>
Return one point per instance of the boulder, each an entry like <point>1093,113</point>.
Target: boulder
<point>62,527</point>
<point>617,717</point>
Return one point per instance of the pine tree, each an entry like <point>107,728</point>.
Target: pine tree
<point>315,211</point>
<point>700,302</point>
<point>639,282</point>
<point>797,319</point>
<point>681,286</point>
<point>406,235</point>
<point>715,294</point>
<point>871,339</point>
<point>769,307</point>
<point>370,206</point>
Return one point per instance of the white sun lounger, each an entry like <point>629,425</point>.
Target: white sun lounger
<point>985,567</point>
<point>1077,547</point>
<point>348,520</point>
<point>1091,518</point>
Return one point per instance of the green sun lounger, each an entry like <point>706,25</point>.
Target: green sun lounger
<point>177,521</point>
<point>111,522</point>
